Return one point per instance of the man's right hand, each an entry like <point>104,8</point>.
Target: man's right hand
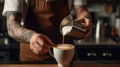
<point>40,43</point>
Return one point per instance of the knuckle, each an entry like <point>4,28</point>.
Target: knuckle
<point>36,52</point>
<point>40,49</point>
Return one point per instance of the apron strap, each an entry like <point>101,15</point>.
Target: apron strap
<point>70,2</point>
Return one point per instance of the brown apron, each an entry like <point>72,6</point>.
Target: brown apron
<point>44,18</point>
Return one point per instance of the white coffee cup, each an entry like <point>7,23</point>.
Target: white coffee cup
<point>63,53</point>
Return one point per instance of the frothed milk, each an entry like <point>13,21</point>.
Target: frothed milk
<point>65,46</point>
<point>66,30</point>
<point>66,26</point>
<point>63,54</point>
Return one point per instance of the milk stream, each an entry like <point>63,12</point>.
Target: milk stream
<point>65,31</point>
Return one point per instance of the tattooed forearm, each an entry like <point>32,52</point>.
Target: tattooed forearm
<point>15,30</point>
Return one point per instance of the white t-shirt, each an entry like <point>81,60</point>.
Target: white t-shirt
<point>14,5</point>
<point>18,5</point>
<point>79,2</point>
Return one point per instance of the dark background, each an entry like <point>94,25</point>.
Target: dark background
<point>9,48</point>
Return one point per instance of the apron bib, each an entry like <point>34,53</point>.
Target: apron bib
<point>44,18</point>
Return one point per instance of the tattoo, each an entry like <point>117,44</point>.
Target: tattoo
<point>15,29</point>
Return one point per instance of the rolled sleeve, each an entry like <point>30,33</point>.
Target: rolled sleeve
<point>80,2</point>
<point>12,5</point>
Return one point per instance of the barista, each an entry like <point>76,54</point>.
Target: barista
<point>35,24</point>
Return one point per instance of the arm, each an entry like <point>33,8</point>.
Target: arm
<point>82,11</point>
<point>84,17</point>
<point>39,43</point>
<point>13,10</point>
<point>15,30</point>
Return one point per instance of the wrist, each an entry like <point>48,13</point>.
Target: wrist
<point>34,36</point>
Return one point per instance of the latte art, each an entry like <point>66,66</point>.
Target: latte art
<point>65,46</point>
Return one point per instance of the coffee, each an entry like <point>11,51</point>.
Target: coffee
<point>63,53</point>
<point>64,46</point>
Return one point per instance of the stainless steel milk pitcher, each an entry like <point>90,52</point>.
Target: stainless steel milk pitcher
<point>70,27</point>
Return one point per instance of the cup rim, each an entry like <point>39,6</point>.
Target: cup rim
<point>73,46</point>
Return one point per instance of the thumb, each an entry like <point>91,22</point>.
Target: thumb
<point>49,41</point>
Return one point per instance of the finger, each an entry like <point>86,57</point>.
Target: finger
<point>47,46</point>
<point>87,21</point>
<point>43,50</point>
<point>84,21</point>
<point>78,19</point>
<point>39,50</point>
<point>44,45</point>
<point>37,46</point>
<point>89,32</point>
<point>36,51</point>
<point>40,40</point>
<point>44,41</point>
<point>49,41</point>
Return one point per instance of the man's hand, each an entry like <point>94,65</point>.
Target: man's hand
<point>83,16</point>
<point>87,24</point>
<point>84,21</point>
<point>40,44</point>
